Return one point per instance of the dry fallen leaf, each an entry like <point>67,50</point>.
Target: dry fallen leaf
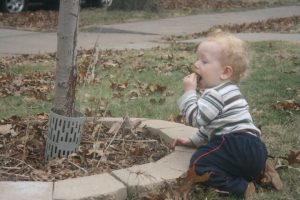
<point>293,157</point>
<point>96,152</point>
<point>115,128</point>
<point>194,178</point>
<point>184,184</point>
<point>6,129</point>
<point>287,105</point>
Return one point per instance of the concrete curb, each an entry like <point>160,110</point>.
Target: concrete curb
<point>22,190</point>
<point>119,183</point>
<point>101,186</point>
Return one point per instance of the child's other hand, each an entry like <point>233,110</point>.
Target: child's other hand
<point>190,82</point>
<point>182,141</point>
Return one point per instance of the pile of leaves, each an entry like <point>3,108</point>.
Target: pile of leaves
<point>282,25</point>
<point>36,85</point>
<point>102,149</point>
<point>37,21</point>
<point>24,59</point>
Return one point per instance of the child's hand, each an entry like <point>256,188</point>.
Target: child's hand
<point>190,82</point>
<point>182,141</point>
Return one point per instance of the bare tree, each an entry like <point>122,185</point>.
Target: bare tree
<point>66,70</point>
<point>65,124</point>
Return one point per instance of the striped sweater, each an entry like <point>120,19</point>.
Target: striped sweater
<point>219,110</point>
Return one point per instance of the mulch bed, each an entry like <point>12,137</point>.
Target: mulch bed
<point>102,149</point>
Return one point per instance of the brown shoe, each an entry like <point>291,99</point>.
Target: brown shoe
<point>250,190</point>
<point>271,176</point>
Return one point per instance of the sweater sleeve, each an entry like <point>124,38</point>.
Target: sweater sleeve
<point>200,111</point>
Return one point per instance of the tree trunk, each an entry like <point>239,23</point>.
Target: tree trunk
<point>66,69</point>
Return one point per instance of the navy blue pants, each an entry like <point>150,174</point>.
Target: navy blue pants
<point>234,159</point>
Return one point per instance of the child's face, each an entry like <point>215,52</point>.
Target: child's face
<point>208,66</point>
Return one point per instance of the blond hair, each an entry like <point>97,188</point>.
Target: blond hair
<point>234,52</point>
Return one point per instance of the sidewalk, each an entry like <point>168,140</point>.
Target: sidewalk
<point>145,34</point>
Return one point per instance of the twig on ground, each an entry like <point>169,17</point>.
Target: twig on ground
<point>90,75</point>
<point>142,141</point>
<point>113,138</point>
<point>104,114</point>
<point>11,168</point>
<point>18,160</point>
<point>85,171</point>
<point>25,141</point>
<point>11,174</point>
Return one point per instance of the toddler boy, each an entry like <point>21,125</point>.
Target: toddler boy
<point>228,143</point>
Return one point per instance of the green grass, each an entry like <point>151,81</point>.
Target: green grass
<point>274,76</point>
<point>27,69</point>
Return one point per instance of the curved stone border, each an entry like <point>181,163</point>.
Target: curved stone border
<point>119,183</point>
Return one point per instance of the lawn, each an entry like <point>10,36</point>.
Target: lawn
<point>147,83</point>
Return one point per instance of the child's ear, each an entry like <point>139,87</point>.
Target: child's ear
<point>227,73</point>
